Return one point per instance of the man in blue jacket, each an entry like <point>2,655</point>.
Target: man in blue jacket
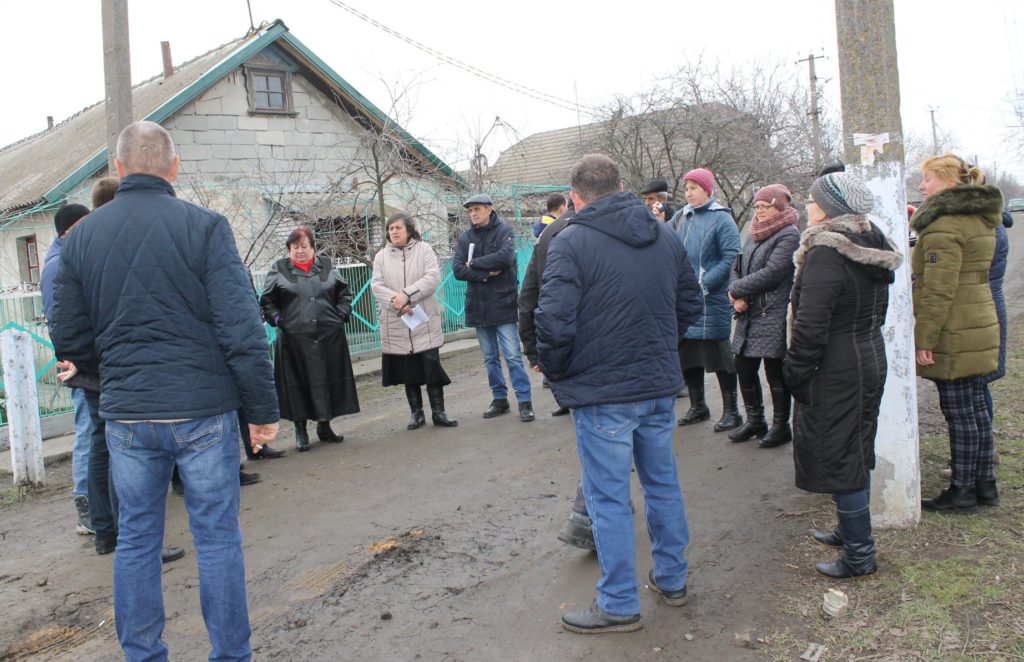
<point>152,296</point>
<point>485,257</point>
<point>617,295</point>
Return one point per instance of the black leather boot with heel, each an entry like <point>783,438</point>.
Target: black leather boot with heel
<point>780,432</point>
<point>731,418</point>
<point>326,434</point>
<point>437,414</point>
<point>301,437</point>
<point>698,410</point>
<point>755,425</point>
<point>415,397</point>
<point>858,557</point>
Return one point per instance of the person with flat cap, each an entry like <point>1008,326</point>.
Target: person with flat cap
<point>485,257</point>
<point>655,196</point>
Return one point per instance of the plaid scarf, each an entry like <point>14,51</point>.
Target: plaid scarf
<point>761,230</point>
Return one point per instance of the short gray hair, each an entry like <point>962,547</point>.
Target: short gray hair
<point>593,176</point>
<point>145,148</point>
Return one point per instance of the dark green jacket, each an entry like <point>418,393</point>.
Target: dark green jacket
<point>953,309</point>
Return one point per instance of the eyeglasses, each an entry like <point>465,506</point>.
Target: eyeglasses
<point>763,207</point>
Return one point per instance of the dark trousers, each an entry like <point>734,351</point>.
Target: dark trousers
<point>100,483</point>
<point>747,367</point>
<point>971,446</point>
<point>694,378</point>
<point>243,430</point>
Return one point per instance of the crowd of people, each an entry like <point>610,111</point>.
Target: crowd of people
<point>624,302</point>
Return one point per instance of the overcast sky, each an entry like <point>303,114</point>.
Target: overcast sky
<point>966,59</point>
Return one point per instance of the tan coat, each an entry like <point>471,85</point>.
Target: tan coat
<point>414,271</point>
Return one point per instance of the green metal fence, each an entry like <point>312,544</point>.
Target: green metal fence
<point>25,312</point>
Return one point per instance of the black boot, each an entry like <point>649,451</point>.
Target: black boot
<point>526,414</point>
<point>415,398</point>
<point>780,432</point>
<point>436,396</point>
<point>497,408</point>
<point>698,410</point>
<point>833,538</point>
<point>858,558</point>
<point>301,437</point>
<point>755,425</point>
<point>578,529</point>
<point>325,433</point>
<point>731,418</point>
<point>986,492</point>
<point>953,499</point>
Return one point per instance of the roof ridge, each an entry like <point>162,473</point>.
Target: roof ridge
<point>246,37</point>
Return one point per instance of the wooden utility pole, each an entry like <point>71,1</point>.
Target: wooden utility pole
<point>815,114</point>
<point>873,149</point>
<point>117,73</point>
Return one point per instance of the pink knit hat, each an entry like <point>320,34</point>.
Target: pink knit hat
<point>774,194</point>
<point>703,178</point>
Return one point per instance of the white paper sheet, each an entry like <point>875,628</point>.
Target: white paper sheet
<point>415,318</point>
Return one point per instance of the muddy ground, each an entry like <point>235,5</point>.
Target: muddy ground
<point>439,544</point>
<point>435,544</point>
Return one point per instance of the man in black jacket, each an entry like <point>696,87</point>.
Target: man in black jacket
<point>485,257</point>
<point>152,296</point>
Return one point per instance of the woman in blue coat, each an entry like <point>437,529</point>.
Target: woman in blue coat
<point>712,241</point>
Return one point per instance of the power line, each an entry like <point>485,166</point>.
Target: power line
<point>533,93</point>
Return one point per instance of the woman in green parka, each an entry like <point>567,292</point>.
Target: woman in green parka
<point>956,332</point>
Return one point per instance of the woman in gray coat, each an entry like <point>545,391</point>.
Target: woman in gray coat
<point>406,275</point>
<point>759,289</point>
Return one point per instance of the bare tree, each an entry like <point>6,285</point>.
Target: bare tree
<point>750,126</point>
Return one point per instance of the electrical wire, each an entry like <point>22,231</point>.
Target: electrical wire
<point>533,93</point>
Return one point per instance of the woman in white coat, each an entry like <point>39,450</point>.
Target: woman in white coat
<point>405,276</point>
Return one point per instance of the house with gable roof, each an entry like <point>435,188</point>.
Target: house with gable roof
<point>268,134</point>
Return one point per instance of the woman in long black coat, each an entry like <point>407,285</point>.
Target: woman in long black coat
<point>836,365</point>
<point>308,301</point>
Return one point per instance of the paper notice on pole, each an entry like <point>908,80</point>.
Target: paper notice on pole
<point>869,144</point>
<point>469,257</point>
<point>417,316</point>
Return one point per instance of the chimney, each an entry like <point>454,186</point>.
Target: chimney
<point>49,122</point>
<point>165,46</point>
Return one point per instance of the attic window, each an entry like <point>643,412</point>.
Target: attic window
<point>270,90</point>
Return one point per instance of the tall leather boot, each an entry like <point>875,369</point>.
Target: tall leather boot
<point>437,414</point>
<point>858,557</point>
<point>731,418</point>
<point>325,433</point>
<point>755,425</point>
<point>301,437</point>
<point>415,398</point>
<point>698,410</point>
<point>780,431</point>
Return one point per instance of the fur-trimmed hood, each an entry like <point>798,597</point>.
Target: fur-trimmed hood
<point>855,238</point>
<point>965,200</point>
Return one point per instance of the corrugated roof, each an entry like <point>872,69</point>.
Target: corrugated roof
<point>42,168</point>
<point>545,158</point>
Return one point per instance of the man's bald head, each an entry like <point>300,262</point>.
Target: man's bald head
<point>145,148</point>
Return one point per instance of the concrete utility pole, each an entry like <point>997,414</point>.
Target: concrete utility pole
<point>22,408</point>
<point>117,73</point>
<point>935,135</point>
<point>873,149</point>
<point>815,114</point>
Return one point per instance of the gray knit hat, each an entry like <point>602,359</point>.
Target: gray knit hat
<point>841,193</point>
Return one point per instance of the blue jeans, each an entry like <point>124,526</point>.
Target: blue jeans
<point>84,429</point>
<point>611,439</point>
<point>142,456</point>
<point>506,339</point>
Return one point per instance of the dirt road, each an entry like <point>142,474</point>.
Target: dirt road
<point>434,544</point>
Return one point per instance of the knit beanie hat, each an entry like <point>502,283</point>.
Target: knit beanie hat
<point>841,193</point>
<point>774,194</point>
<point>703,178</point>
<point>67,216</point>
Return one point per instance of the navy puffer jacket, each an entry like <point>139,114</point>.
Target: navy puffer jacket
<point>616,296</point>
<point>711,240</point>
<point>490,300</point>
<point>152,294</point>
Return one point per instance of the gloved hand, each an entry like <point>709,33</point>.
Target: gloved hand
<point>345,310</point>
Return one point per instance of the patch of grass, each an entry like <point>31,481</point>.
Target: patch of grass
<point>950,588</point>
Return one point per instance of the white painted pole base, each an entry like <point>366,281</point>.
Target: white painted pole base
<point>22,408</point>
<point>896,481</point>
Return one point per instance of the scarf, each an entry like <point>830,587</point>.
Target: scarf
<point>761,230</point>
<point>305,266</point>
